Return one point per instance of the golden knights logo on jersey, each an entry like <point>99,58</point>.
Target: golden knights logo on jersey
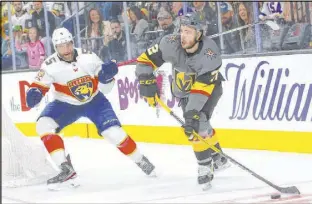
<point>81,88</point>
<point>184,81</point>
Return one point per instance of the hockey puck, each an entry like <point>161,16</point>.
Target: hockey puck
<point>276,196</point>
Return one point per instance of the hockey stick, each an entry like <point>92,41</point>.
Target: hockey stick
<point>271,24</point>
<point>287,190</point>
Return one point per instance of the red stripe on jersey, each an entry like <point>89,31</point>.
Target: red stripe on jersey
<point>128,146</point>
<point>200,92</point>
<point>52,142</point>
<point>63,89</point>
<point>43,89</point>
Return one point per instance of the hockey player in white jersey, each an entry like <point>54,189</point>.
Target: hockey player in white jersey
<point>79,78</point>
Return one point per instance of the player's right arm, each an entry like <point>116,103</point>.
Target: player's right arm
<point>147,62</point>
<point>39,87</point>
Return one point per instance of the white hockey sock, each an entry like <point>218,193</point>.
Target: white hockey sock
<point>136,156</point>
<point>58,157</point>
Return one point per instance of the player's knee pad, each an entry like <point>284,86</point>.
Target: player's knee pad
<point>46,125</point>
<point>119,137</point>
<point>115,134</point>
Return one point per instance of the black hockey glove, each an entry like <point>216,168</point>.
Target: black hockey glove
<point>191,123</point>
<point>148,88</point>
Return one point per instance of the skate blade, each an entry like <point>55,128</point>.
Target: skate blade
<point>152,174</point>
<point>71,183</point>
<point>205,186</point>
<point>220,169</point>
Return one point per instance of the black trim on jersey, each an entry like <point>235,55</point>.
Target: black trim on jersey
<point>155,57</point>
<point>207,77</point>
<point>74,59</point>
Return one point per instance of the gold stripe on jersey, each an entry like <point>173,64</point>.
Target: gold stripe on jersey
<point>143,58</point>
<point>202,88</point>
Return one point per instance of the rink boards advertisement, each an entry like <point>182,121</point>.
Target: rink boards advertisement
<point>266,104</point>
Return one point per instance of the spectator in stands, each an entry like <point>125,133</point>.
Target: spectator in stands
<point>138,24</point>
<point>165,22</point>
<point>18,38</point>
<point>21,16</point>
<point>34,48</point>
<point>165,5</point>
<point>109,10</point>
<point>97,28</point>
<point>244,18</point>
<point>6,52</point>
<point>39,21</point>
<point>145,13</point>
<point>232,41</point>
<point>138,27</point>
<point>4,16</point>
<point>58,9</point>
<point>177,8</point>
<point>117,46</point>
<point>6,49</point>
<point>209,18</point>
<point>153,10</point>
<point>271,10</point>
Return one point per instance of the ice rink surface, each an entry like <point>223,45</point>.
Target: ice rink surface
<point>106,176</point>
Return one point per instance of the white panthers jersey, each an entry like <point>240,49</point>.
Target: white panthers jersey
<point>75,83</point>
<point>272,7</point>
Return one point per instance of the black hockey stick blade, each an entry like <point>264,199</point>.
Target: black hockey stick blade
<point>289,190</point>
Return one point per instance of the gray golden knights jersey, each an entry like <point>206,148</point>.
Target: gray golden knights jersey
<point>192,73</point>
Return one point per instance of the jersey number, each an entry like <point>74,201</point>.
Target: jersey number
<point>50,61</point>
<point>153,49</point>
<point>214,75</point>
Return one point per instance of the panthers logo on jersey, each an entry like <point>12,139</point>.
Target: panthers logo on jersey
<point>81,88</point>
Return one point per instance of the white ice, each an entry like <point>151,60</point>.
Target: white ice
<point>106,176</point>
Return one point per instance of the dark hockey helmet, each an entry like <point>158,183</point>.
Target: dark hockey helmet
<point>192,20</point>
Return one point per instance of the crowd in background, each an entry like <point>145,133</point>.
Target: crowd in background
<point>102,27</point>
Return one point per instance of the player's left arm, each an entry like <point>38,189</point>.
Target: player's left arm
<point>39,87</point>
<point>105,72</point>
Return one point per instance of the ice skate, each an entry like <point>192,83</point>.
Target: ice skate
<point>205,176</point>
<point>70,163</point>
<point>147,167</point>
<point>220,162</point>
<point>64,177</point>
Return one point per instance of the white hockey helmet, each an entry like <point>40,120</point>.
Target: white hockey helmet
<point>60,36</point>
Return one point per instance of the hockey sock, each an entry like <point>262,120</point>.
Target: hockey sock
<point>55,146</point>
<point>202,149</point>
<point>128,147</point>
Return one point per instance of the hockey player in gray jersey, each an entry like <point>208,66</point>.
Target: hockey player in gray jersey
<point>196,82</point>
